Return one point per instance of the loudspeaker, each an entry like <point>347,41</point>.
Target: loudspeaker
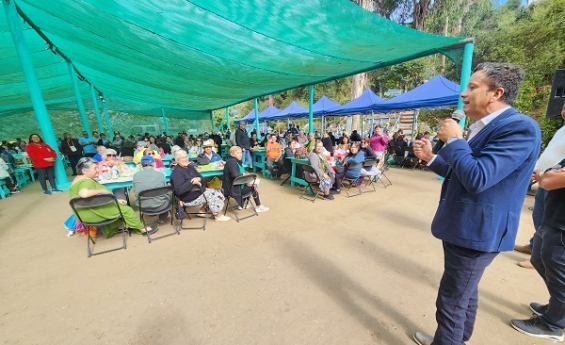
<point>557,96</point>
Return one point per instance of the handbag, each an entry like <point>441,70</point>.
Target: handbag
<point>180,213</point>
<point>339,169</point>
<point>214,183</point>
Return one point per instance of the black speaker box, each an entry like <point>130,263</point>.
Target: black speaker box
<point>557,96</point>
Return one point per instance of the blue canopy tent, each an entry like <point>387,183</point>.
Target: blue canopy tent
<point>264,115</point>
<point>293,109</point>
<point>364,104</point>
<point>323,107</point>
<point>438,92</point>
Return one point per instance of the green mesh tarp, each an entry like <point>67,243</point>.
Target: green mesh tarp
<point>201,55</point>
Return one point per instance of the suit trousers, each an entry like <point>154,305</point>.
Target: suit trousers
<point>548,258</point>
<point>458,297</point>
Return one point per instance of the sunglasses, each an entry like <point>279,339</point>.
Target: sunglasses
<point>149,154</point>
<point>111,155</point>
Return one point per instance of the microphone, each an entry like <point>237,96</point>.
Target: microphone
<point>457,116</point>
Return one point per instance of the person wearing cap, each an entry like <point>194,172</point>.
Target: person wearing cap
<point>139,152</point>
<point>149,178</point>
<point>208,155</point>
<point>158,162</point>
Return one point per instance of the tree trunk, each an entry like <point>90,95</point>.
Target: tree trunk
<point>421,8</point>
<point>359,81</point>
<point>445,29</point>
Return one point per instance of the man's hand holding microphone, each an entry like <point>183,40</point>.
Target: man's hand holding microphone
<point>449,130</point>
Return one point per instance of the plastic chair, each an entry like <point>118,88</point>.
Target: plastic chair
<point>167,207</point>
<point>240,182</point>
<point>94,202</point>
<point>4,190</point>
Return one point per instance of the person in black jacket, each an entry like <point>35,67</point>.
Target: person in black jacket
<point>242,140</point>
<point>233,169</point>
<point>188,187</point>
<point>328,143</point>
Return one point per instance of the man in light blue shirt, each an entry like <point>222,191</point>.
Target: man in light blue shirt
<point>88,144</point>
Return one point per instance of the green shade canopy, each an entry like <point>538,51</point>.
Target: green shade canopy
<point>195,56</point>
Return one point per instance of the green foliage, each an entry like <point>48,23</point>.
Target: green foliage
<point>548,129</point>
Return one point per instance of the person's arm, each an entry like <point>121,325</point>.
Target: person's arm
<point>508,148</point>
<point>314,162</point>
<point>384,140</point>
<point>65,149</point>
<point>181,183</point>
<point>553,178</point>
<point>88,192</point>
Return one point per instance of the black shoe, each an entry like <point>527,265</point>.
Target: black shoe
<point>538,308</point>
<point>535,328</point>
<point>329,197</point>
<point>333,191</point>
<point>153,230</point>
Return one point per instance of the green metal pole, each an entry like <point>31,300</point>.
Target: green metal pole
<point>228,118</point>
<point>96,109</point>
<point>14,23</point>
<point>465,74</point>
<point>212,120</point>
<point>80,104</point>
<point>311,109</point>
<point>256,107</point>
<point>107,118</point>
<point>165,120</point>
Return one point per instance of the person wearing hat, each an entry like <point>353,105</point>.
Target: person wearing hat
<point>140,150</point>
<point>208,156</point>
<point>149,178</point>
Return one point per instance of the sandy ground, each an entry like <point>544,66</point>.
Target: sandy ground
<point>362,270</point>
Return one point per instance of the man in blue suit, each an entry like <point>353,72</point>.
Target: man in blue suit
<point>486,180</point>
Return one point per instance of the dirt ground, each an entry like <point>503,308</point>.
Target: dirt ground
<point>363,270</point>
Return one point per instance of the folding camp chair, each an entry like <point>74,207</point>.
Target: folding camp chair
<point>312,179</point>
<point>96,201</point>
<point>161,193</point>
<point>182,212</point>
<point>240,182</point>
<point>369,164</point>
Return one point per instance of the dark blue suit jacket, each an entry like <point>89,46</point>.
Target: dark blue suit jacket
<point>485,184</point>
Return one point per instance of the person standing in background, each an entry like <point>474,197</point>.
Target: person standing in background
<point>43,159</point>
<point>73,150</point>
<point>88,144</point>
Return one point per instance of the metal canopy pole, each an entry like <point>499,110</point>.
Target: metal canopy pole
<point>96,109</point>
<point>107,118</point>
<point>256,107</point>
<point>465,75</point>
<point>165,120</point>
<point>34,91</point>
<point>78,96</point>
<point>227,117</point>
<point>212,120</point>
<point>311,109</point>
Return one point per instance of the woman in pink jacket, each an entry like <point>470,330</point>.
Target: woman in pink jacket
<point>379,141</point>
